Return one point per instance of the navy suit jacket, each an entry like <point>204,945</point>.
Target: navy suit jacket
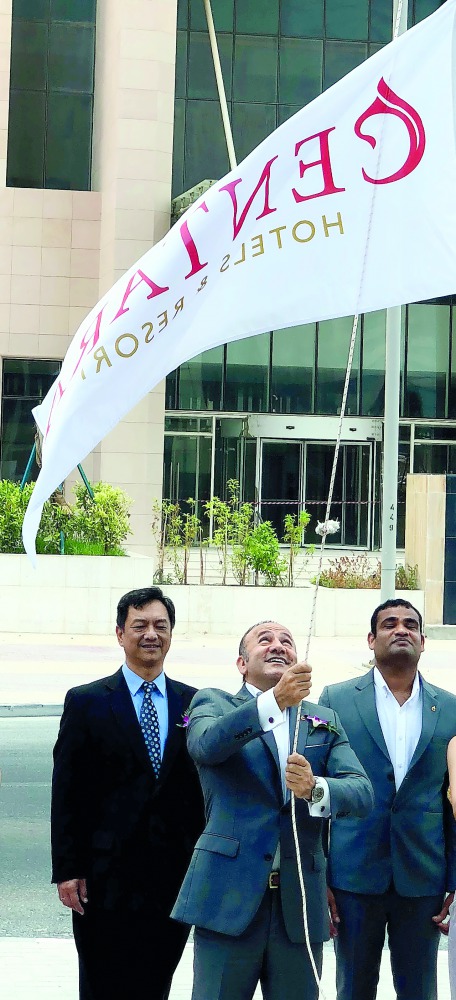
<point>238,767</point>
<point>114,823</point>
<point>410,836</point>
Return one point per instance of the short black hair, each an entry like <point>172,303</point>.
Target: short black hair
<point>139,598</point>
<point>394,602</point>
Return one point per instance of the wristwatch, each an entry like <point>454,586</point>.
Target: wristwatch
<point>317,792</point>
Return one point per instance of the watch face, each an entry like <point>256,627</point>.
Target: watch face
<point>317,793</point>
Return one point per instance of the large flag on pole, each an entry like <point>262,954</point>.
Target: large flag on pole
<point>348,207</point>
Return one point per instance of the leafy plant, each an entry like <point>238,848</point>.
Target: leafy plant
<point>294,527</point>
<point>356,572</point>
<point>103,519</point>
<point>407,578</point>
<point>263,554</point>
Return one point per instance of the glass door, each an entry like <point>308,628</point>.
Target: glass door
<point>280,481</point>
<point>352,494</point>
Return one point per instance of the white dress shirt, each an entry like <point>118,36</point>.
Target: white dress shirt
<point>400,724</point>
<point>273,719</point>
<point>159,698</point>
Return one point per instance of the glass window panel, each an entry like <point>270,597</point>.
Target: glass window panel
<point>255,69</point>
<point>26,126</point>
<point>187,470</point>
<point>247,374</point>
<point>333,343</point>
<point>200,381</point>
<point>432,433</point>
<point>25,383</point>
<point>286,111</point>
<point>201,75</point>
<point>300,70</point>
<point>347,18</point>
<point>29,56</point>
<point>171,391</point>
<point>31,10</point>
<point>427,360</point>
<point>222,13</point>
<point>68,147</point>
<point>340,58</point>
<point>434,459</point>
<point>71,58</point>
<point>178,148</point>
<point>374,47</point>
<point>452,392</point>
<point>301,18</point>
<point>381,21</point>
<point>259,18</point>
<point>251,124</point>
<point>74,10</point>
<point>182,13</point>
<point>373,371</point>
<point>205,145</point>
<point>425,7</point>
<point>181,64</point>
<point>293,354</point>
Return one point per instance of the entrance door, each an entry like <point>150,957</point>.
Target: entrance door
<point>352,491</point>
<point>281,477</point>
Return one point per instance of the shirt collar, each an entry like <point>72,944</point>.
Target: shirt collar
<point>381,685</point>
<point>135,682</point>
<point>253,690</point>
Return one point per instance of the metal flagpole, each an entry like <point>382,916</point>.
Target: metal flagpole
<point>392,397</point>
<point>220,85</point>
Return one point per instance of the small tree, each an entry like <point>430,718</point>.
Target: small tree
<point>263,554</point>
<point>103,519</point>
<point>293,533</point>
<point>220,512</point>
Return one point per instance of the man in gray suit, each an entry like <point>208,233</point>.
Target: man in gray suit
<point>242,890</point>
<point>391,870</point>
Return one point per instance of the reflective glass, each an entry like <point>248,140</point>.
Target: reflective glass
<point>302,18</point>
<point>434,459</point>
<point>201,74</point>
<point>333,342</point>
<point>427,360</point>
<point>293,362</point>
<point>300,70</point>
<point>178,148</point>
<point>251,124</point>
<point>200,381</point>
<point>255,69</point>
<point>71,58</point>
<point>205,145</point>
<point>452,392</point>
<point>258,18</point>
<point>29,41</point>
<point>187,470</point>
<point>171,391</point>
<point>247,374</point>
<point>74,10</point>
<point>280,482</point>
<point>181,64</point>
<point>31,10</point>
<point>340,58</point>
<point>222,14</point>
<point>422,9</point>
<point>25,383</point>
<point>182,13</point>
<point>381,21</point>
<point>286,111</point>
<point>26,127</point>
<point>68,145</point>
<point>431,432</point>
<point>347,18</point>
<point>373,371</point>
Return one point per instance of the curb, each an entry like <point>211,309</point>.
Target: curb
<point>29,711</point>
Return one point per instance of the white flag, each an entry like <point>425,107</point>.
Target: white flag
<point>348,207</point>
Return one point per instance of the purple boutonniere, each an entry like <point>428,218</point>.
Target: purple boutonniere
<point>317,723</point>
<point>185,721</point>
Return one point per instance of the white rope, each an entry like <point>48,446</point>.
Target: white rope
<point>323,542</point>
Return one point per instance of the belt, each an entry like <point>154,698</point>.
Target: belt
<point>274,880</point>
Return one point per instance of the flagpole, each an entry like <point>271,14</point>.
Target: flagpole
<point>392,398</point>
<point>220,85</point>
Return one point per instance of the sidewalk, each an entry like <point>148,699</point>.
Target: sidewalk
<point>46,969</point>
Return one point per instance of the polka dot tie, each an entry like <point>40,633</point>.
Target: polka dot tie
<point>148,720</point>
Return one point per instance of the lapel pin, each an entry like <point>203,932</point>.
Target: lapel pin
<point>432,708</point>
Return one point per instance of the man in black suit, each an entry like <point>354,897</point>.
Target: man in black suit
<point>126,811</point>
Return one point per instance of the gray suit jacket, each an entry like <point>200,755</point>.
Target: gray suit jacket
<point>410,837</point>
<point>239,772</point>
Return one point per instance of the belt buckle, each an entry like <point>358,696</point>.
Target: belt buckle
<point>274,880</point>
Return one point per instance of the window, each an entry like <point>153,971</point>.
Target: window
<point>51,94</point>
<point>24,385</point>
<point>293,358</point>
<point>427,360</point>
<point>247,374</point>
<point>333,344</point>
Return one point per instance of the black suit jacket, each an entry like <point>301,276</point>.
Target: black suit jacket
<point>114,823</point>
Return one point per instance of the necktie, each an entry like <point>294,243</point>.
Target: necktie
<point>148,720</point>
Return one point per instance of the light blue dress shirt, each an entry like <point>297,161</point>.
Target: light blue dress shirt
<point>159,698</point>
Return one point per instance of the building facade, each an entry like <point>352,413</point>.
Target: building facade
<point>108,111</point>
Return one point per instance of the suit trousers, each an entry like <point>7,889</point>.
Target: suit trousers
<point>229,968</point>
<point>133,957</point>
<point>412,937</point>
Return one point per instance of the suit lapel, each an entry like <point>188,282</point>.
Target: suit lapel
<point>269,744</point>
<point>125,715</point>
<point>431,711</point>
<point>176,731</point>
<point>365,703</point>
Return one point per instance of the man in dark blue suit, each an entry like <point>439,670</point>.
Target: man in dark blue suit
<point>242,889</point>
<point>391,870</point>
<point>126,811</point>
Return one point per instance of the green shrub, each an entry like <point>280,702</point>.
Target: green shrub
<point>263,554</point>
<point>103,519</point>
<point>356,573</point>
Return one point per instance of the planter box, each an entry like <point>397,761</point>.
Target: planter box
<point>78,595</point>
